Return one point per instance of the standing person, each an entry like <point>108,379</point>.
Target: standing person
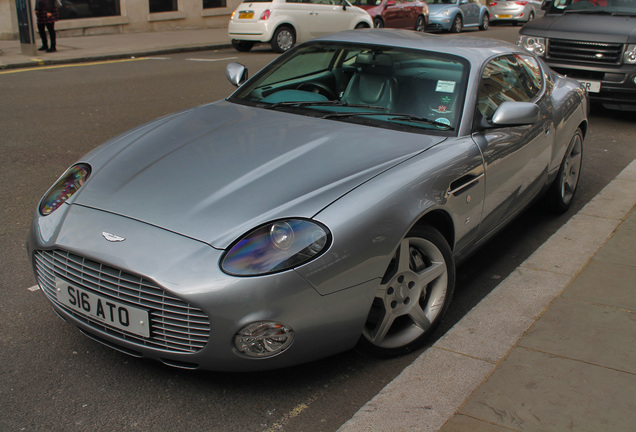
<point>47,13</point>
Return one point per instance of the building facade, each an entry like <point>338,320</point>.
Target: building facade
<point>97,17</point>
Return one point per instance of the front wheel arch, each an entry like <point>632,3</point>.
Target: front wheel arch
<point>457,25</point>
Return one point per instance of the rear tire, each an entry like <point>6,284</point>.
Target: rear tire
<point>485,22</point>
<point>420,24</point>
<point>283,40</point>
<point>561,193</point>
<point>242,46</point>
<point>413,295</point>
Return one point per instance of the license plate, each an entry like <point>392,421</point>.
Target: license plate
<point>105,310</point>
<point>246,15</point>
<point>591,86</point>
<point>504,16</point>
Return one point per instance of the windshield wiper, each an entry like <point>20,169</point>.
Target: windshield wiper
<point>319,103</point>
<point>415,119</point>
<point>393,117</point>
<point>352,114</point>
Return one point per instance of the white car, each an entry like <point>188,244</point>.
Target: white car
<point>283,23</point>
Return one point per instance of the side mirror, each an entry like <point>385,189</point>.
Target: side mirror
<point>236,73</point>
<point>515,114</point>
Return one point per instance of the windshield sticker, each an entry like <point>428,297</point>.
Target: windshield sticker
<point>445,86</point>
<point>442,109</point>
<point>446,99</point>
<point>443,120</point>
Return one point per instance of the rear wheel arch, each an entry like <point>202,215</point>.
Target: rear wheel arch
<point>282,27</point>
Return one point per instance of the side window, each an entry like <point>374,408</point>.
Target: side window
<point>513,78</point>
<point>531,74</point>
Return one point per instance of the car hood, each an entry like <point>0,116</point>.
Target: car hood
<point>589,27</point>
<point>218,171</point>
<point>434,9</point>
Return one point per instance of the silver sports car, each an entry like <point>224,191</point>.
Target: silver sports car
<point>321,206</point>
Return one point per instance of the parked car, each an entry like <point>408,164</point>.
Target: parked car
<point>513,11</point>
<point>405,14</point>
<point>324,204</point>
<point>284,23</point>
<point>455,15</point>
<point>594,42</point>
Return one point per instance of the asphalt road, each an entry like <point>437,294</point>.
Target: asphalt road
<point>52,378</point>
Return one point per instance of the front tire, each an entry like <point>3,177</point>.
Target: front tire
<point>378,23</point>
<point>562,191</point>
<point>283,40</point>
<point>457,25</point>
<point>413,295</point>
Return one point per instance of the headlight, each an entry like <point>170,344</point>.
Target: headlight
<point>276,247</point>
<point>535,45</point>
<point>64,188</point>
<point>630,54</point>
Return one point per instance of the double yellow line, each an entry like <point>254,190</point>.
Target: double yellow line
<point>29,69</point>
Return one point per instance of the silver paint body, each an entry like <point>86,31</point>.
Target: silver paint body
<point>181,189</point>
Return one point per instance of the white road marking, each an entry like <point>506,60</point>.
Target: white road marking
<point>212,60</point>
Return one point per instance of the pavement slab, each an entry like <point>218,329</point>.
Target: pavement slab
<point>540,392</point>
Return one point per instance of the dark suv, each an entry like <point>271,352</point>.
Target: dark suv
<point>593,41</point>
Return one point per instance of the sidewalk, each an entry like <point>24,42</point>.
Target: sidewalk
<point>107,47</point>
<point>550,349</point>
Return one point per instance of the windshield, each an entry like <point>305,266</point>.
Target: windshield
<point>371,85</point>
<point>619,7</point>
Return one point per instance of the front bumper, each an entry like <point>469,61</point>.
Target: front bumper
<point>617,83</point>
<point>439,23</point>
<point>214,305</point>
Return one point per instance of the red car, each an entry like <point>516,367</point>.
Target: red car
<point>404,14</point>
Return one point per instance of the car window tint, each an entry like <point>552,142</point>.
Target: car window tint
<point>508,78</point>
<point>306,63</point>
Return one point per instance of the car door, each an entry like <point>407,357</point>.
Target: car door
<point>517,157</point>
<point>329,16</point>
<point>470,9</point>
<point>409,8</point>
<point>393,14</point>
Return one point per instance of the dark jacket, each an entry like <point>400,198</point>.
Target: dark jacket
<point>43,8</point>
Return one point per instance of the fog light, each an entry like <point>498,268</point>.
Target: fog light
<point>263,339</point>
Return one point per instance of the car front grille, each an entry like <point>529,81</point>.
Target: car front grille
<point>176,326</point>
<point>583,51</point>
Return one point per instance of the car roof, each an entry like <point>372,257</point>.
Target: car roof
<point>475,49</point>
